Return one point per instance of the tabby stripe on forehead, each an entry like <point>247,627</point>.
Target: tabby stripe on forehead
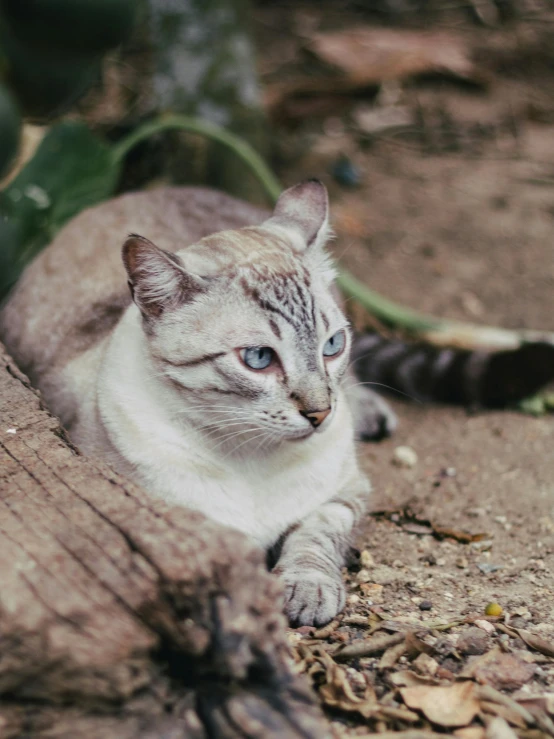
<point>199,360</point>
<point>266,305</point>
<point>275,328</point>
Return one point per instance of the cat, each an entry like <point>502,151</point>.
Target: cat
<point>219,378</point>
<point>216,379</point>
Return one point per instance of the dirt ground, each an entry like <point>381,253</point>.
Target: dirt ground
<point>462,231</point>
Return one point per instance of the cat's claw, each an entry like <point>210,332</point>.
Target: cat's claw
<point>312,598</point>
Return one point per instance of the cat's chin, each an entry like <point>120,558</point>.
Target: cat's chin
<point>300,435</point>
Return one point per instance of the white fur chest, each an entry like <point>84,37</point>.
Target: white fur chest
<point>261,498</point>
<point>259,495</point>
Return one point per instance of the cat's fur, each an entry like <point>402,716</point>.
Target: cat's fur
<point>157,386</point>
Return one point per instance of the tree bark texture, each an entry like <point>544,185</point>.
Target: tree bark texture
<point>122,617</point>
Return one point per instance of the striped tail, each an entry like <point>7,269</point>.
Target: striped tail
<point>489,379</point>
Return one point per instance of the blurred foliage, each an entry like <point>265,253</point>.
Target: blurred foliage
<point>71,170</point>
<point>50,53</point>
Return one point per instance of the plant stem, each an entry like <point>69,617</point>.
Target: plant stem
<point>241,148</point>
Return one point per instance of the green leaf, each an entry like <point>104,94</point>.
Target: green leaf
<point>71,170</point>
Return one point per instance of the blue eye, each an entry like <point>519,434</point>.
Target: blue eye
<point>335,344</point>
<point>257,357</point>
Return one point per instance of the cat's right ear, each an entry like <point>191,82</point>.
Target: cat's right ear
<point>158,279</point>
<point>302,212</point>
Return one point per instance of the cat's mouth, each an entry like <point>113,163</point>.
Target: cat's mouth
<point>300,434</point>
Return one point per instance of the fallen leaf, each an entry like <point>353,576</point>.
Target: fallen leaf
<point>392,655</point>
<point>543,702</point>
<point>488,693</point>
<point>368,56</point>
<point>498,728</point>
<point>336,690</point>
<point>478,662</point>
<point>453,705</point>
<point>537,642</point>
<point>364,57</point>
<point>367,647</point>
<point>410,679</point>
<point>413,522</point>
<point>511,716</point>
<point>464,537</point>
<point>470,732</point>
<point>505,672</point>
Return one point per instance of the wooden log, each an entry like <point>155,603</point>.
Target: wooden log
<point>121,616</point>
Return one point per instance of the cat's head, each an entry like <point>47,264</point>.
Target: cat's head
<point>244,323</point>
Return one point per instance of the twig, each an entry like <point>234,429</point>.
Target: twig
<point>366,647</point>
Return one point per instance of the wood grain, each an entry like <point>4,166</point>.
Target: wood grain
<point>121,616</point>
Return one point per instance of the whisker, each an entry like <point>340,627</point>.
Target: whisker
<point>389,387</point>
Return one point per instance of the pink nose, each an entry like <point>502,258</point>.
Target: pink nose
<point>316,418</point>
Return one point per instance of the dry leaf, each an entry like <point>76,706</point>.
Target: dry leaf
<point>513,717</point>
<point>392,655</point>
<point>470,732</point>
<point>478,662</point>
<point>410,679</point>
<point>498,728</point>
<point>487,693</point>
<point>537,642</point>
<point>544,702</point>
<point>453,705</point>
<point>368,56</point>
<point>407,518</point>
<point>504,672</point>
<point>367,647</point>
<point>336,690</point>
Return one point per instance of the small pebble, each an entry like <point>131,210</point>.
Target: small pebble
<point>404,456</point>
<point>366,559</point>
<point>363,576</point>
<point>425,605</point>
<point>353,599</point>
<point>425,665</point>
<point>472,641</point>
<point>487,567</point>
<point>476,512</point>
<point>345,172</point>
<point>462,563</point>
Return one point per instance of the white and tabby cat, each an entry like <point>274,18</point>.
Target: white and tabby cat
<point>220,386</point>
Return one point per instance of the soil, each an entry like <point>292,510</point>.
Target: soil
<point>462,231</point>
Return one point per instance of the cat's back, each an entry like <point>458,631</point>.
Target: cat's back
<point>75,291</point>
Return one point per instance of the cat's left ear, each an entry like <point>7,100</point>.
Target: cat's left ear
<point>158,279</point>
<point>303,212</point>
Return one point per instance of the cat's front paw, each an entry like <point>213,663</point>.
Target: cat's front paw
<point>312,598</point>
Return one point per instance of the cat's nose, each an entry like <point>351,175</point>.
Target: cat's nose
<point>316,418</point>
